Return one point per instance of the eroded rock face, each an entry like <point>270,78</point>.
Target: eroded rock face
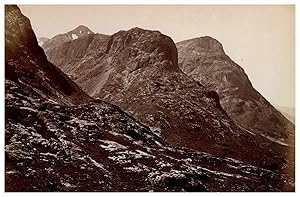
<point>52,143</point>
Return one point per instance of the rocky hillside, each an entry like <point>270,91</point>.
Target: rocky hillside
<point>55,141</point>
<point>97,147</point>
<point>73,57</point>
<point>26,62</point>
<point>288,112</point>
<point>205,61</point>
<point>138,71</point>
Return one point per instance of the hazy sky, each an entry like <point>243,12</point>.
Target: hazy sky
<point>261,39</point>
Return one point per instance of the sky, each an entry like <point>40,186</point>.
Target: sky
<point>261,39</point>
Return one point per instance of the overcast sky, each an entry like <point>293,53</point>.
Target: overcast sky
<point>261,39</point>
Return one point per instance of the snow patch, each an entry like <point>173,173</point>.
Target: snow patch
<point>74,36</point>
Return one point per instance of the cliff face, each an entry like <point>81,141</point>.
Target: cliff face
<point>59,139</point>
<point>205,61</point>
<point>26,62</point>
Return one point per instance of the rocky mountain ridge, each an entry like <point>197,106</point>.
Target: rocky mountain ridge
<point>205,60</point>
<point>74,34</point>
<point>42,40</point>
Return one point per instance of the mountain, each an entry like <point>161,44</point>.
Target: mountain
<point>205,61</point>
<point>137,70</point>
<point>59,139</point>
<point>42,40</point>
<point>74,34</point>
<point>26,63</point>
<point>288,112</point>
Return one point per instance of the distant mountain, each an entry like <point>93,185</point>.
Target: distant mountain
<point>138,71</point>
<point>74,34</point>
<point>288,112</point>
<point>42,40</point>
<point>59,139</point>
<point>205,61</point>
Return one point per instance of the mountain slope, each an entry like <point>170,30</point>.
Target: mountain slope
<point>54,144</point>
<point>138,71</point>
<point>97,147</point>
<point>42,40</point>
<point>74,34</point>
<point>288,112</point>
<point>26,63</point>
<point>205,61</point>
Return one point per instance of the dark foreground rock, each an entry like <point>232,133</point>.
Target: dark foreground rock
<point>97,147</point>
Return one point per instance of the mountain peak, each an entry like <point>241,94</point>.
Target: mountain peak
<point>203,44</point>
<point>147,41</point>
<point>79,31</point>
<point>82,28</point>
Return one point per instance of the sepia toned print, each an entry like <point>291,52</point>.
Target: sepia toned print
<point>135,111</point>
